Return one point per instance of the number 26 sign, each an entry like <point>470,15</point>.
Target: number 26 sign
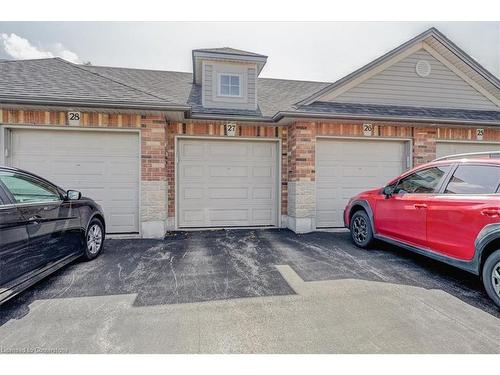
<point>479,134</point>
<point>367,129</point>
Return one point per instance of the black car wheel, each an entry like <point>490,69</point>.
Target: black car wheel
<point>361,229</point>
<point>94,239</point>
<point>491,276</point>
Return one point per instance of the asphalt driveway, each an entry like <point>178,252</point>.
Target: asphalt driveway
<point>248,291</point>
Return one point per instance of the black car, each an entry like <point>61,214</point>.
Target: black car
<point>42,228</point>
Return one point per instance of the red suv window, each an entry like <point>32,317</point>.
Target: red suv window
<point>424,181</point>
<point>474,179</point>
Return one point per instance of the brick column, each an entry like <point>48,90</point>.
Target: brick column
<point>173,129</point>
<point>424,145</point>
<point>301,177</point>
<point>154,187</point>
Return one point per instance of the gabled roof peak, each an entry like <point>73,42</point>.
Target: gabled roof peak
<point>229,51</point>
<point>435,40</point>
<point>225,54</point>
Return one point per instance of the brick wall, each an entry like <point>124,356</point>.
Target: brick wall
<point>467,134</point>
<point>298,142</point>
<point>301,208</point>
<point>153,148</point>
<point>154,185</point>
<point>424,145</point>
<point>301,151</point>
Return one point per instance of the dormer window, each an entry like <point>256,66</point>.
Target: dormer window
<point>230,85</point>
<point>227,77</point>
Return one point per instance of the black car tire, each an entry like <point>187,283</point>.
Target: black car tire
<point>92,246</point>
<point>361,229</point>
<point>491,276</point>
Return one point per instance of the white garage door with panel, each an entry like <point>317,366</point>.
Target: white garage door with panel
<point>451,148</point>
<point>102,165</point>
<point>227,183</point>
<point>346,167</point>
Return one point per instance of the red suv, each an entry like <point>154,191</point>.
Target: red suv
<point>448,210</point>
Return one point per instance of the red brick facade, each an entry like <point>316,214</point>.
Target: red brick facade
<point>301,151</point>
<point>298,140</point>
<point>424,145</point>
<point>153,148</point>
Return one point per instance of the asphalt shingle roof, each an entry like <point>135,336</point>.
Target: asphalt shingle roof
<point>399,111</point>
<point>56,79</point>
<point>274,95</point>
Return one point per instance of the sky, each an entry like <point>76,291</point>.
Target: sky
<point>314,51</point>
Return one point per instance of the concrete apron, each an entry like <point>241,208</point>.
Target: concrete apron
<point>341,316</point>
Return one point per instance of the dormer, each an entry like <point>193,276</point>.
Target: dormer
<point>228,77</point>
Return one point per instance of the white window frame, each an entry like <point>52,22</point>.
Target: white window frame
<point>219,84</point>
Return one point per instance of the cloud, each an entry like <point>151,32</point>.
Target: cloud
<point>20,48</point>
<point>66,54</point>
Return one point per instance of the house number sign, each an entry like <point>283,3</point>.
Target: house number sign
<point>479,134</point>
<point>367,129</point>
<point>231,129</point>
<point>74,118</point>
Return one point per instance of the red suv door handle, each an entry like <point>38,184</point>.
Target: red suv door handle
<point>490,212</point>
<point>420,205</point>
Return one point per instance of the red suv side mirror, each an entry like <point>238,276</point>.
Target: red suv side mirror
<point>388,191</point>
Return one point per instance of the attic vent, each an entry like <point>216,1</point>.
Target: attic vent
<point>423,68</point>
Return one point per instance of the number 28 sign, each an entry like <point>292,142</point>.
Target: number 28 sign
<point>74,118</point>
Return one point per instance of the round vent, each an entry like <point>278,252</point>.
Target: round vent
<point>423,68</point>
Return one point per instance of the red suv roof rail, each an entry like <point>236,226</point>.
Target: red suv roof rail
<point>485,154</point>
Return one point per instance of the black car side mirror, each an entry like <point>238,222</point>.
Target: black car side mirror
<point>388,191</point>
<point>73,195</point>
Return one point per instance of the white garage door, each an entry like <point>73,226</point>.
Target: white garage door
<point>102,165</point>
<point>347,167</point>
<point>450,148</point>
<point>227,183</point>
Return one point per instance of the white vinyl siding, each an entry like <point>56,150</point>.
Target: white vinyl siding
<point>399,84</point>
<point>227,183</point>
<point>102,165</point>
<point>346,167</point>
<point>212,97</point>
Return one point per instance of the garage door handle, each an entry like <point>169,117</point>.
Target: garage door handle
<point>420,205</point>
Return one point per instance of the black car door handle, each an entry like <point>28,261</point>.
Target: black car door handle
<point>35,219</point>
